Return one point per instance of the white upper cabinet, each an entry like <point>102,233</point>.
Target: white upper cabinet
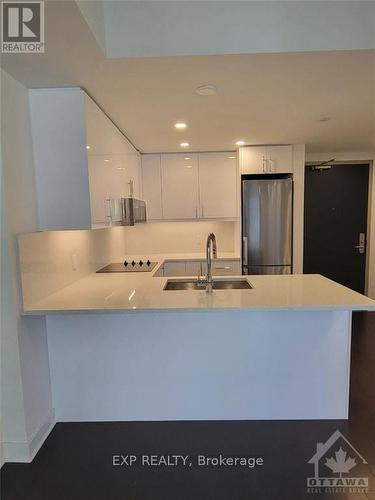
<point>113,163</point>
<point>280,159</point>
<point>108,179</point>
<point>218,185</point>
<point>180,186</point>
<point>151,181</point>
<point>190,186</point>
<point>266,159</point>
<point>252,159</point>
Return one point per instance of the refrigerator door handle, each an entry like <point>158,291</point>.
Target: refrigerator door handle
<point>244,250</point>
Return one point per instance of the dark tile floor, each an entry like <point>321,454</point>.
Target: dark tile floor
<point>75,463</point>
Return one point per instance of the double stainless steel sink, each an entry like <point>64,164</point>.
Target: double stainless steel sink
<point>219,284</point>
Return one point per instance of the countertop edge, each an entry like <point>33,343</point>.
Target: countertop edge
<point>34,312</point>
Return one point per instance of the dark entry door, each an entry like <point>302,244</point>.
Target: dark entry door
<point>336,202</point>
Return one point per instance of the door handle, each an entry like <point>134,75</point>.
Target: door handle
<point>361,247</point>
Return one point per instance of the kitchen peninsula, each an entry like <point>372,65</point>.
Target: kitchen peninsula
<point>123,348</point>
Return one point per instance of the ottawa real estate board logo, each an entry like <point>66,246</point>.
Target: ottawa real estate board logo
<point>22,27</point>
<point>338,468</point>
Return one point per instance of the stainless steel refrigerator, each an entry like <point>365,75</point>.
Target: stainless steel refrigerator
<point>267,212</point>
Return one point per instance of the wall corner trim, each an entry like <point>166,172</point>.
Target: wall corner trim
<point>24,452</point>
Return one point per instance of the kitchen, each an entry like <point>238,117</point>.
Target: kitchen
<point>167,282</point>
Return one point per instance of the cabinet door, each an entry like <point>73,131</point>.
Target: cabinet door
<point>195,267</point>
<point>151,179</point>
<point>108,179</point>
<point>280,159</point>
<point>253,159</point>
<point>113,162</point>
<point>226,267</point>
<point>180,186</point>
<point>217,185</point>
<point>174,268</point>
<point>134,172</point>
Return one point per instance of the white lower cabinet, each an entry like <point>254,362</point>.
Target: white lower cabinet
<point>195,267</point>
<point>220,267</point>
<point>226,267</point>
<point>174,268</point>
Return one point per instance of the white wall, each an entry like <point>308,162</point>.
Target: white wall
<point>60,158</point>
<point>26,394</point>
<point>148,28</point>
<point>364,156</point>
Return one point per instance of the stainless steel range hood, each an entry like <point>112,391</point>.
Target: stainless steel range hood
<point>126,211</point>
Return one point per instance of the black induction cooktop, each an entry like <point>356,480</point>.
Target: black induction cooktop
<point>132,266</point>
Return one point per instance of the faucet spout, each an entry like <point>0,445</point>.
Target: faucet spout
<point>211,253</point>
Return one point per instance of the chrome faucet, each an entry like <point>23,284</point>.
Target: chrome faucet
<point>211,253</point>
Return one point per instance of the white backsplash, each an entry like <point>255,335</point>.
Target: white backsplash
<point>178,237</point>
<point>51,260</point>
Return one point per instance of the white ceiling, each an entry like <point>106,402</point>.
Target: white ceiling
<point>184,27</point>
<point>262,98</point>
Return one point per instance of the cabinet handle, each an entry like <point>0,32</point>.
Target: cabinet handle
<point>107,208</point>
<point>222,268</point>
<point>270,161</point>
<point>263,162</point>
<point>196,212</point>
<point>202,211</point>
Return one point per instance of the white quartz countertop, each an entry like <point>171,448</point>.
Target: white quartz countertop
<point>116,292</point>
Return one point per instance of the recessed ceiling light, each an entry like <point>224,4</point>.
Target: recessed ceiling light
<point>232,157</point>
<point>120,168</point>
<point>188,166</point>
<point>187,158</point>
<point>240,143</point>
<point>106,160</point>
<point>180,125</point>
<point>206,90</point>
<point>87,147</point>
<point>325,119</point>
<point>184,144</point>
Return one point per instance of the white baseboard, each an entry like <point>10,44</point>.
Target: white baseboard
<point>25,451</point>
